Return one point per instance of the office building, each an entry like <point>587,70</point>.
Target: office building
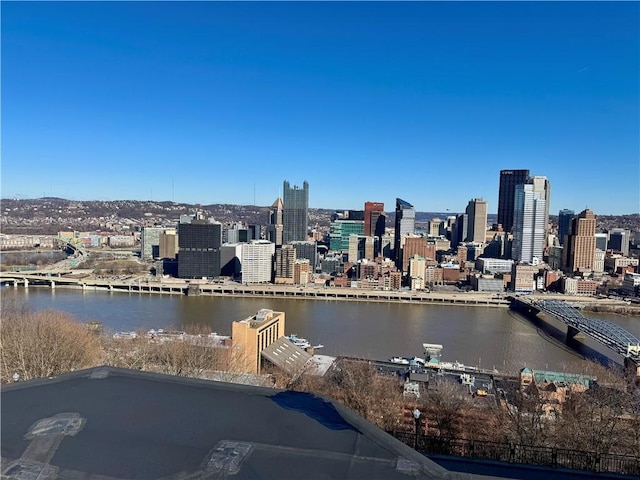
<point>564,219</point>
<point>257,261</point>
<point>340,232</point>
<point>404,225</point>
<point>542,186</point>
<point>619,240</point>
<point>199,249</point>
<point>274,229</point>
<point>374,219</point>
<point>579,252</point>
<point>507,195</point>
<point>295,212</point>
<point>602,240</point>
<point>416,245</point>
<point>528,224</point>
<point>436,227</point>
<point>477,217</point>
<point>231,260</point>
<point>523,278</point>
<point>285,258</point>
<point>168,243</point>
<point>459,229</point>
<point>308,250</point>
<point>150,242</point>
<point>301,272</point>
<point>249,337</point>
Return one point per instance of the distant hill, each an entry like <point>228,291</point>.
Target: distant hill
<point>50,214</point>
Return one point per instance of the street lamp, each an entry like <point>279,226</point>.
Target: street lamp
<point>416,416</point>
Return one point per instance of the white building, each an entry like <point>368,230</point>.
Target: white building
<point>528,224</point>
<point>598,261</point>
<point>494,265</point>
<point>257,261</point>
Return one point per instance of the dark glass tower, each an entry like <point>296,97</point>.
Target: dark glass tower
<point>199,249</point>
<point>564,220</point>
<point>295,212</point>
<point>507,195</point>
<point>405,224</point>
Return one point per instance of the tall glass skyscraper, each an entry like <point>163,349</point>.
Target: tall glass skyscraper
<point>507,194</point>
<point>528,224</point>
<point>295,212</point>
<point>405,224</point>
<point>564,220</point>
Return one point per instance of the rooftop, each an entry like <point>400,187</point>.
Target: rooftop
<point>111,423</point>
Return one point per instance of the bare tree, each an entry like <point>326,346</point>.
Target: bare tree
<point>43,344</point>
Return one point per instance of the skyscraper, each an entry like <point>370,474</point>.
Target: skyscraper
<point>295,212</point>
<point>477,216</point>
<point>564,219</point>
<point>528,224</point>
<point>199,249</point>
<point>507,194</point>
<point>372,213</point>
<point>580,249</point>
<point>542,186</point>
<point>619,239</point>
<point>405,224</point>
<point>274,230</point>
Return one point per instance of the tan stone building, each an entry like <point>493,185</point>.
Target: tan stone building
<point>579,252</point>
<point>249,337</point>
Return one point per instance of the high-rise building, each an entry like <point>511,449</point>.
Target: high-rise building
<point>405,224</point>
<point>295,212</point>
<point>373,212</point>
<point>543,187</point>
<point>199,249</point>
<point>257,261</point>
<point>435,227</point>
<point>477,216</point>
<point>308,250</point>
<point>168,243</point>
<point>301,272</point>
<point>507,195</point>
<point>416,245</point>
<point>274,229</point>
<point>602,241</point>
<point>150,242</point>
<point>285,258</point>
<point>459,229</point>
<point>341,230</point>
<point>619,240</point>
<point>528,224</point>
<point>564,219</point>
<point>580,249</point>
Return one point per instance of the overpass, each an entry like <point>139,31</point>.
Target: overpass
<point>604,332</point>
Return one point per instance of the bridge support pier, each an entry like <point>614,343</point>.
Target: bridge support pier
<point>26,283</point>
<point>573,333</point>
<point>632,366</point>
<point>15,284</point>
<point>53,285</point>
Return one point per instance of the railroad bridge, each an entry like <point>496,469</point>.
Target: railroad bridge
<point>604,332</point>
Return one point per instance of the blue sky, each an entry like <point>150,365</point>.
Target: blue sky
<point>214,102</point>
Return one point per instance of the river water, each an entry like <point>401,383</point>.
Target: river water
<point>481,336</point>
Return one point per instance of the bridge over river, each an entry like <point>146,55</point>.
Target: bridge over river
<point>605,332</point>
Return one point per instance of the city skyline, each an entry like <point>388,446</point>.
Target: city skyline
<point>215,102</point>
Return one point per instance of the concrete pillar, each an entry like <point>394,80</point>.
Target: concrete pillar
<point>53,285</point>
<point>573,333</point>
<point>26,283</point>
<point>15,284</point>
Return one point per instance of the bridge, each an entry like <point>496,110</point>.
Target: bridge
<point>605,332</point>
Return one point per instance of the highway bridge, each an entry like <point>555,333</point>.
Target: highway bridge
<point>605,332</point>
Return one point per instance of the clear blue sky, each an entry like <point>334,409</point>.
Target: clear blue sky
<point>200,102</point>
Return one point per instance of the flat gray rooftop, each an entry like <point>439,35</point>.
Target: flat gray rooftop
<point>110,423</point>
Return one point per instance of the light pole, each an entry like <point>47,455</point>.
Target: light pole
<point>416,416</point>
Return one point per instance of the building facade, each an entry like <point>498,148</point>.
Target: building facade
<point>404,225</point>
<point>249,337</point>
<point>374,219</point>
<point>257,261</point>
<point>295,212</point>
<point>507,195</point>
<point>150,242</point>
<point>477,216</point>
<point>579,252</point>
<point>564,220</point>
<point>528,224</point>
<point>199,249</point>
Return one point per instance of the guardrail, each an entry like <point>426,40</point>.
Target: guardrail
<point>523,454</point>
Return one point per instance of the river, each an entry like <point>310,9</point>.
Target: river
<point>482,336</point>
